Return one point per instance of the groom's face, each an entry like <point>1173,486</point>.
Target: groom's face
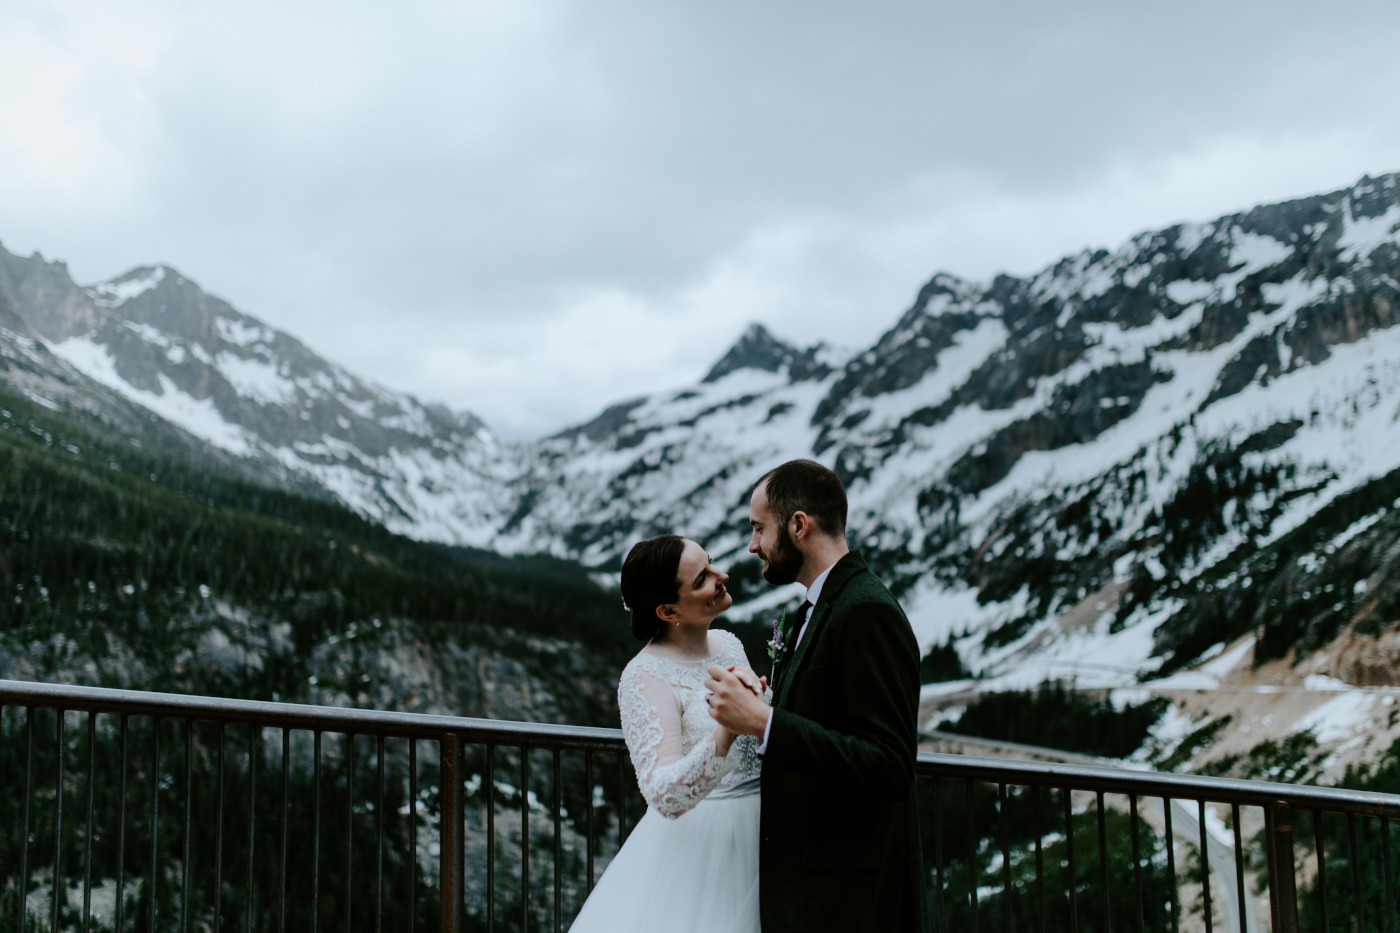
<point>782,561</point>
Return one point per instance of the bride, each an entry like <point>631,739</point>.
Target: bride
<point>691,863</point>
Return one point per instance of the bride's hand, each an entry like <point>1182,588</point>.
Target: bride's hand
<point>723,740</point>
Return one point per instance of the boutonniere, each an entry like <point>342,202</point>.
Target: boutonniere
<point>778,643</point>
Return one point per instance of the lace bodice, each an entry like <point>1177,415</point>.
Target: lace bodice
<point>669,732</point>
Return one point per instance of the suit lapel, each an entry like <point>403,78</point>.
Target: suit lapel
<point>845,568</point>
<point>804,649</point>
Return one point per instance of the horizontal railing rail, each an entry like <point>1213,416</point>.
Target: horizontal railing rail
<point>582,738</point>
<point>303,716</point>
<point>1160,784</point>
<point>1008,844</point>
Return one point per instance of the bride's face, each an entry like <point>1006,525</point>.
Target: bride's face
<point>701,592</point>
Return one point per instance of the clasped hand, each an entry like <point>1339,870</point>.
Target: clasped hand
<point>736,699</point>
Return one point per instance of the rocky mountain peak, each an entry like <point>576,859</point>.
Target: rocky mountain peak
<point>759,350</point>
<point>130,284</point>
<point>756,349</point>
<point>939,294</point>
<point>255,392</point>
<point>45,296</point>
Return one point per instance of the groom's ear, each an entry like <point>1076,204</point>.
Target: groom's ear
<point>799,525</point>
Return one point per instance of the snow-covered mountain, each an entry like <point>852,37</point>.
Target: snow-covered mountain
<point>1099,471</point>
<point>255,392</point>
<point>1045,466</point>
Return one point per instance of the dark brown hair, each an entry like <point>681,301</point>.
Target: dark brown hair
<point>649,580</point>
<point>806,486</point>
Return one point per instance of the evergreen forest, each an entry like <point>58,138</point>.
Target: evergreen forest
<point>118,544</point>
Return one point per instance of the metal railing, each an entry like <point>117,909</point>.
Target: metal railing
<point>144,811</point>
<point>1255,864</point>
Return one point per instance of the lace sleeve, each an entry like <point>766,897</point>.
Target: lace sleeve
<point>671,782</point>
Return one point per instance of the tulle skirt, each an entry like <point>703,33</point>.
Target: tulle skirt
<point>698,872</point>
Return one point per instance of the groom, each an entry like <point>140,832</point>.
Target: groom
<point>839,828</point>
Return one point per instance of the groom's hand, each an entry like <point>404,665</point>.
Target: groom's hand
<point>749,679</point>
<point>733,703</point>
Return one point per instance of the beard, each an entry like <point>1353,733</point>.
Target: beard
<point>784,561</point>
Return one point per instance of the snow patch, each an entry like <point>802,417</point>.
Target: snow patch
<point>1361,237</point>
<point>1340,718</point>
<point>148,333</point>
<point>242,333</point>
<point>200,417</point>
<point>1324,683</point>
<point>256,379</point>
<point>1252,251</point>
<point>123,289</point>
<point>1226,663</point>
<point>1191,236</point>
<point>1171,728</point>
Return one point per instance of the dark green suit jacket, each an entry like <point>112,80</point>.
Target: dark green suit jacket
<point>839,826</point>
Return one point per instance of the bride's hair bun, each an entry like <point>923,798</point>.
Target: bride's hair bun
<point>649,580</point>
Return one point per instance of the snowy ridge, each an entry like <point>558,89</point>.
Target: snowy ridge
<point>1109,382</point>
<point>1054,471</point>
<point>125,287</point>
<point>255,392</point>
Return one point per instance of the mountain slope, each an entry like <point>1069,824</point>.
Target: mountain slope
<point>1066,474</point>
<point>157,339</point>
<point>125,561</point>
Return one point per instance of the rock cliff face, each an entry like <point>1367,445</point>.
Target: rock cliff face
<point>1120,439</point>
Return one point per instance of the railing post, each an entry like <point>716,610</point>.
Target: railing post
<point>453,856</point>
<point>1283,899</point>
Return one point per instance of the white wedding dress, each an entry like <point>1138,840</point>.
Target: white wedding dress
<point>691,863</point>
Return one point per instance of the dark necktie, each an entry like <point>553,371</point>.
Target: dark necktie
<point>802,611</point>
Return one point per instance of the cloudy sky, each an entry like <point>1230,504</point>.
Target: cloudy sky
<point>532,209</point>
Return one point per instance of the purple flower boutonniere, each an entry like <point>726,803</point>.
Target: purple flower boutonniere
<point>778,643</point>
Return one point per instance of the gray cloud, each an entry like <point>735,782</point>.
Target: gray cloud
<point>533,209</point>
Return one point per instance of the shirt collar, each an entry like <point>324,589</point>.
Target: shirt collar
<point>814,591</point>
